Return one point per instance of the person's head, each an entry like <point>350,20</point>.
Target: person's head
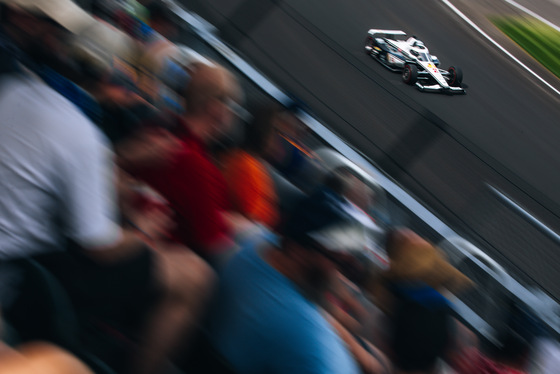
<point>142,137</point>
<point>513,350</point>
<point>208,98</point>
<point>289,124</point>
<point>161,19</point>
<point>322,236</point>
<point>337,180</point>
<point>515,338</point>
<point>359,193</point>
<point>259,133</point>
<point>402,237</point>
<point>96,58</point>
<point>41,28</point>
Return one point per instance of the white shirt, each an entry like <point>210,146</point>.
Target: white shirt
<point>56,172</point>
<point>546,356</point>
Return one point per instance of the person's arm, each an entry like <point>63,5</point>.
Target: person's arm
<point>464,351</point>
<point>89,209</point>
<point>143,227</point>
<point>127,245</point>
<point>346,308</point>
<point>89,204</point>
<point>367,362</point>
<point>38,357</point>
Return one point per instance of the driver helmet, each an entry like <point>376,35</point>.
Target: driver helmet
<point>419,44</point>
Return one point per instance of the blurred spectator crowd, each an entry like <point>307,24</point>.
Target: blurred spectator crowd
<point>139,235</point>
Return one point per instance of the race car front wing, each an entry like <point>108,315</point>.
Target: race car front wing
<point>438,88</point>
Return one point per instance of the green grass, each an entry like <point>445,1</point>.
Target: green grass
<point>538,39</point>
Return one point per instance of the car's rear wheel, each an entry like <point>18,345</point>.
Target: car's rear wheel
<point>410,74</point>
<point>370,44</point>
<point>455,76</point>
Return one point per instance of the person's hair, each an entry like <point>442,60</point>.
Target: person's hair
<point>159,12</point>
<point>209,82</point>
<point>88,65</point>
<point>513,348</point>
<point>516,337</point>
<point>359,193</point>
<point>392,239</point>
<point>260,129</point>
<point>124,123</point>
<point>3,13</point>
<point>337,180</point>
<point>32,51</point>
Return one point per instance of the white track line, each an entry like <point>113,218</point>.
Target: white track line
<point>474,26</point>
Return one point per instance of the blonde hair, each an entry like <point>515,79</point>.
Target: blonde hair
<point>209,82</point>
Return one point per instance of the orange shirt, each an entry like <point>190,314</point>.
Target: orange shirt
<point>251,188</point>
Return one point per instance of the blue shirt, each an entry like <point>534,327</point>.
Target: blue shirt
<point>263,324</point>
<point>75,94</point>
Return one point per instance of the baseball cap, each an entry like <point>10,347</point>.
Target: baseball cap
<point>64,12</point>
<point>323,220</point>
<point>412,258</point>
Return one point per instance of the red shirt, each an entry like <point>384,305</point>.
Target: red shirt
<point>473,362</point>
<point>197,192</point>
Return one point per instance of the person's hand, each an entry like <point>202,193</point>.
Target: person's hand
<point>155,223</point>
<point>144,209</point>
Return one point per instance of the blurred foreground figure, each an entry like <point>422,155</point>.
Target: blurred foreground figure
<point>546,356</point>
<point>54,183</point>
<point>419,318</point>
<point>39,358</point>
<point>59,211</point>
<point>268,316</point>
<point>516,349</point>
<point>250,186</point>
<point>187,176</point>
<point>289,154</point>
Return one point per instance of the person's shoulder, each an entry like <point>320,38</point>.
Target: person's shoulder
<point>239,164</point>
<point>249,266</point>
<point>77,130</point>
<point>233,157</point>
<point>54,104</point>
<point>312,346</point>
<point>184,159</point>
<point>250,253</point>
<point>33,95</point>
<point>60,119</point>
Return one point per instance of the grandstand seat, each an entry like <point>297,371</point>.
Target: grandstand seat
<point>203,358</point>
<point>43,311</point>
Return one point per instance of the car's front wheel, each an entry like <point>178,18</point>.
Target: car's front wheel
<point>370,44</point>
<point>455,76</point>
<point>410,74</point>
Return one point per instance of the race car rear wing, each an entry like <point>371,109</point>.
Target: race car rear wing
<point>385,33</point>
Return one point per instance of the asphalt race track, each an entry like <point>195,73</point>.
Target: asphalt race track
<point>445,150</point>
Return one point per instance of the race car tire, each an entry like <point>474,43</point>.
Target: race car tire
<point>370,44</point>
<point>455,76</point>
<point>410,74</point>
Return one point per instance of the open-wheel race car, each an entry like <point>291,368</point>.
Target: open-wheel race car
<point>409,55</point>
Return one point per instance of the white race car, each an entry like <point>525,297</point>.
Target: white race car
<point>398,53</point>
